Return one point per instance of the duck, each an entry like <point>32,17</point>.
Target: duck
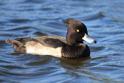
<point>72,46</point>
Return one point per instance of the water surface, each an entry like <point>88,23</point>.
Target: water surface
<point>104,20</point>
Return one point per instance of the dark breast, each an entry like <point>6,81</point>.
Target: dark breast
<point>75,51</point>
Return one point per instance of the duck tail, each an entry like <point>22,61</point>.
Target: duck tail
<point>17,45</point>
<point>2,41</point>
<point>13,42</point>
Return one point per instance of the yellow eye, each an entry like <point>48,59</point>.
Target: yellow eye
<point>78,30</point>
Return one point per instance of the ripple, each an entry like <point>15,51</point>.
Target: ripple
<point>10,34</point>
<point>21,20</point>
<point>93,16</point>
<point>39,34</point>
<point>98,48</point>
<point>20,28</point>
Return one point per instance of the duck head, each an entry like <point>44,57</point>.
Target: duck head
<point>77,32</point>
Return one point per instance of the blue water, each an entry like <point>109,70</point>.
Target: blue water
<point>29,18</point>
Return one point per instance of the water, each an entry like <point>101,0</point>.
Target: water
<point>105,22</point>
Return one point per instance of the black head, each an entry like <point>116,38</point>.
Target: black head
<point>76,32</point>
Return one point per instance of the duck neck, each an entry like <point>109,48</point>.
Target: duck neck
<point>70,40</point>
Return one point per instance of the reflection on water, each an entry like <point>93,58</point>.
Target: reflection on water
<point>104,19</point>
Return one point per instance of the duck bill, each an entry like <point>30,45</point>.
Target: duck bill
<point>88,39</point>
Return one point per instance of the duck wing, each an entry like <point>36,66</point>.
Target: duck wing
<point>52,41</point>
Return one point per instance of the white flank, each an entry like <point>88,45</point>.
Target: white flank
<point>39,49</point>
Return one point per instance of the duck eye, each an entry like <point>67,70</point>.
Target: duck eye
<point>78,30</point>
